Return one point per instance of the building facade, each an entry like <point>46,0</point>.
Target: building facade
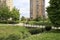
<point>9,3</point>
<point>37,8</point>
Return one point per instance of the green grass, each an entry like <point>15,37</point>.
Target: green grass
<point>21,33</point>
<point>45,36</point>
<point>13,32</point>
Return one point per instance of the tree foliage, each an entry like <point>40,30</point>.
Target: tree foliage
<point>54,12</point>
<point>23,18</point>
<point>4,13</point>
<point>15,14</point>
<point>8,16</point>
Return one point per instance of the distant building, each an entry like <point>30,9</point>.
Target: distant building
<point>37,8</point>
<point>9,3</point>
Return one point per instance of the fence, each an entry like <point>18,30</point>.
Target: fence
<point>28,25</point>
<point>37,26</point>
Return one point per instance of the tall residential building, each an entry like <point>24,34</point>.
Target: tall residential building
<point>9,3</point>
<point>37,8</point>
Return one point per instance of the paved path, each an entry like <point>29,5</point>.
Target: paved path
<point>22,24</point>
<point>28,25</point>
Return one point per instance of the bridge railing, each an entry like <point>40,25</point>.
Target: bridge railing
<point>37,26</point>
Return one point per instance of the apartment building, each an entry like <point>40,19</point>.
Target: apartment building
<point>9,3</point>
<point>37,8</point>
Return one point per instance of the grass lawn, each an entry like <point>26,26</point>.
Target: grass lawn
<point>45,36</point>
<point>13,32</point>
<point>21,33</point>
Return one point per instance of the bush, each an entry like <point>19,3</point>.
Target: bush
<point>9,22</point>
<point>36,30</point>
<point>31,22</point>
<point>48,28</point>
<point>13,22</point>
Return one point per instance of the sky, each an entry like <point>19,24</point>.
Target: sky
<point>24,6</point>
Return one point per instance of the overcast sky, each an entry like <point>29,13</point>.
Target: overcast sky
<point>24,6</point>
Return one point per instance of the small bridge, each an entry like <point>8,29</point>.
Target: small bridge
<point>34,26</point>
<point>24,25</point>
<point>30,25</point>
<point>27,25</point>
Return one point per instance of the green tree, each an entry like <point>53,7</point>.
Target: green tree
<point>23,18</point>
<point>54,12</point>
<point>15,14</point>
<point>7,16</point>
<point>4,13</point>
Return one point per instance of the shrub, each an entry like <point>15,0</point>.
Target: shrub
<point>31,22</point>
<point>48,28</point>
<point>9,22</point>
<point>36,30</point>
<point>13,22</point>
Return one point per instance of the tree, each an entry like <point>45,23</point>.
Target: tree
<point>54,12</point>
<point>7,16</point>
<point>15,14</point>
<point>23,18</point>
<point>4,13</point>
